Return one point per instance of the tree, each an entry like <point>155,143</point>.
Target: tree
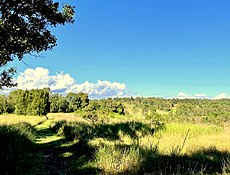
<point>30,102</point>
<point>77,101</point>
<point>58,103</point>
<point>5,106</point>
<point>25,29</point>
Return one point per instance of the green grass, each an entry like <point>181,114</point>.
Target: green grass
<point>17,149</point>
<point>70,144</point>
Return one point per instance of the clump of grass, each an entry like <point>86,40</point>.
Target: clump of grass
<point>58,126</point>
<point>75,130</point>
<point>176,151</point>
<point>16,148</point>
<point>114,160</point>
<point>226,166</point>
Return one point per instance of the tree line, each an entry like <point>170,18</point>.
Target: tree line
<point>42,101</point>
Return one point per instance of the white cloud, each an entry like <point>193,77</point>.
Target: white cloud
<point>39,78</point>
<point>63,83</point>
<point>101,88</point>
<point>221,96</point>
<point>183,95</point>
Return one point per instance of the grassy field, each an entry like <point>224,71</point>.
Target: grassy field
<point>69,144</point>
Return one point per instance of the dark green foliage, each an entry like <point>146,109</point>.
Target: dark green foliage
<point>19,100</point>
<point>105,106</point>
<point>6,78</point>
<point>30,102</point>
<point>58,103</point>
<point>111,105</point>
<point>182,110</point>
<point>94,105</point>
<point>58,127</point>
<point>77,101</point>
<point>72,102</point>
<point>25,29</point>
<point>5,105</point>
<point>16,148</point>
<point>39,102</point>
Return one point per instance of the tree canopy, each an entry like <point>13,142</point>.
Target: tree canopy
<point>25,29</point>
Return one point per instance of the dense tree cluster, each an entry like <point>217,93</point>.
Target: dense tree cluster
<point>30,102</point>
<point>70,103</point>
<point>106,106</point>
<point>42,101</point>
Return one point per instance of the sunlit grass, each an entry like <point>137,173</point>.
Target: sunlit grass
<point>125,153</point>
<point>69,117</point>
<point>199,137</point>
<point>14,119</point>
<point>48,139</point>
<point>67,154</point>
<point>117,160</point>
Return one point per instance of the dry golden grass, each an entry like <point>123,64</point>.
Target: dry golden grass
<point>199,137</point>
<point>120,155</point>
<point>114,160</point>
<point>69,117</point>
<point>13,119</point>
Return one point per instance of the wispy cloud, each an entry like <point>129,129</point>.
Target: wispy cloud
<point>64,83</point>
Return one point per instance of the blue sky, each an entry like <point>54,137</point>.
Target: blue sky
<point>156,48</point>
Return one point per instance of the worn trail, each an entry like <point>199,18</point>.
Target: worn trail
<point>51,150</point>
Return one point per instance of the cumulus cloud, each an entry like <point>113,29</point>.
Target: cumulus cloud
<point>63,83</point>
<point>101,88</point>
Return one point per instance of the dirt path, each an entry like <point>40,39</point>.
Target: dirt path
<point>51,150</point>
<point>59,156</point>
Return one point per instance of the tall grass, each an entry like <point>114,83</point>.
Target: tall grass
<point>115,145</point>
<point>16,148</point>
<point>114,160</point>
<point>130,147</point>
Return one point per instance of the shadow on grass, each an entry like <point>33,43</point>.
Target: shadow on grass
<point>86,132</point>
<point>17,149</point>
<point>204,161</point>
<point>68,157</point>
<point>71,155</point>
